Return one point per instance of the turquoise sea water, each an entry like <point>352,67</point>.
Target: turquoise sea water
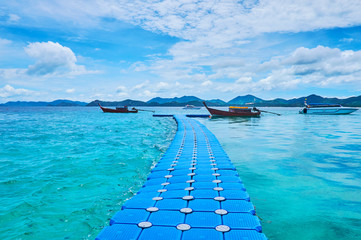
<point>66,171</point>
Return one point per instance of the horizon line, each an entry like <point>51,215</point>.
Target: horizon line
<point>178,97</point>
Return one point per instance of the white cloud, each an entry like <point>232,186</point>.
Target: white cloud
<point>52,59</point>
<point>8,91</point>
<point>122,91</point>
<point>12,73</point>
<point>215,32</point>
<point>122,94</point>
<point>190,18</point>
<point>348,40</point>
<point>229,20</point>
<point>213,35</point>
<point>4,42</point>
<point>320,66</point>
<point>148,89</point>
<point>71,90</point>
<point>141,85</point>
<point>5,49</point>
<point>330,62</point>
<point>162,86</point>
<point>305,56</point>
<point>148,94</point>
<point>13,18</point>
<point>244,80</point>
<point>207,83</point>
<point>218,24</point>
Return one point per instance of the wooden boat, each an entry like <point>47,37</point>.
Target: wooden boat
<point>234,112</point>
<point>118,109</point>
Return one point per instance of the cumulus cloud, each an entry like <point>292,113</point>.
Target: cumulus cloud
<point>224,20</point>
<point>193,19</point>
<point>321,66</point>
<point>215,32</point>
<point>52,61</point>
<point>218,24</point>
<point>52,58</point>
<point>212,37</point>
<point>8,91</point>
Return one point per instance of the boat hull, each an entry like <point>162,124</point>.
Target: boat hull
<point>328,111</point>
<point>221,113</point>
<point>110,110</point>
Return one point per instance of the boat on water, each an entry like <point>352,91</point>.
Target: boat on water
<point>234,112</point>
<point>191,107</point>
<point>326,109</point>
<point>123,109</point>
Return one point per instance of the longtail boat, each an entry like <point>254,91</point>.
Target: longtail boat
<point>118,109</point>
<point>234,112</point>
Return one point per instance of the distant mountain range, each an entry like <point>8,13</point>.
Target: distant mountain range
<point>184,99</point>
<point>192,100</point>
<point>56,103</point>
<point>241,100</point>
<point>237,101</point>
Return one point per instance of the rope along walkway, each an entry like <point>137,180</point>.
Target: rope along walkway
<point>194,192</point>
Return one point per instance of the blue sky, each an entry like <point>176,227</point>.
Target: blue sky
<point>119,49</point>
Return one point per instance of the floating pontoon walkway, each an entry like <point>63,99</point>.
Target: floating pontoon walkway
<point>194,192</point>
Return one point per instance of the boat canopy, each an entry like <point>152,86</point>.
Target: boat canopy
<point>231,107</point>
<point>320,105</point>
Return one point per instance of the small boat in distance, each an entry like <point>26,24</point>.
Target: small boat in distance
<point>123,109</point>
<point>191,107</point>
<point>326,109</point>
<point>234,112</point>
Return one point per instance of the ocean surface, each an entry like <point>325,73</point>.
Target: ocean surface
<point>64,171</point>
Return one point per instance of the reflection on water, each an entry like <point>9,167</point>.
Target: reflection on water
<point>232,120</point>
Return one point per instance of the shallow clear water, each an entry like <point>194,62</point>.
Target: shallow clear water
<point>66,171</point>
<point>303,173</point>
